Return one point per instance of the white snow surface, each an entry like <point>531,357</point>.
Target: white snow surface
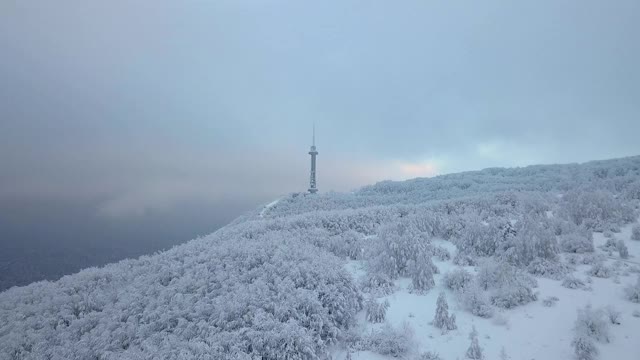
<point>268,206</point>
<point>532,331</point>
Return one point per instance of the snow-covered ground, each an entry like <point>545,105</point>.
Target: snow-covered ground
<point>531,331</point>
<point>268,206</point>
<point>274,284</point>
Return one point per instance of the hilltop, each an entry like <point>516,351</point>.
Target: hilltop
<point>542,261</point>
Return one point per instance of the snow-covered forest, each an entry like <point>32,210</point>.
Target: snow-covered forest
<point>541,262</point>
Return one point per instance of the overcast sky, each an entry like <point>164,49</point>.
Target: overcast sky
<point>129,108</point>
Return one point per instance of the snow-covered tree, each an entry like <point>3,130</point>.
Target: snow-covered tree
<point>376,284</point>
<point>533,240</point>
<point>576,243</point>
<point>429,355</point>
<point>549,269</point>
<point>422,270</point>
<point>376,312</point>
<point>474,351</point>
<point>396,248</point>
<point>598,210</point>
<point>508,286</point>
<point>601,270</point>
<point>442,320</point>
<point>584,348</point>
<point>457,279</point>
<point>593,324</point>
<point>391,342</point>
<point>479,239</point>
<point>635,232</point>
<point>623,251</point>
<point>274,285</point>
<point>475,301</point>
<point>632,292</point>
<point>503,354</point>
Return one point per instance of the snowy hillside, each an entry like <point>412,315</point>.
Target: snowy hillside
<point>541,262</point>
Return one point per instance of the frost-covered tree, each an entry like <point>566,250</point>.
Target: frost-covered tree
<point>376,312</point>
<point>278,288</point>
<point>601,270</point>
<point>266,295</point>
<point>457,279</point>
<point>474,351</point>
<point>593,324</point>
<point>533,240</point>
<point>475,301</point>
<point>463,259</point>
<point>623,251</point>
<point>598,210</point>
<point>396,248</point>
<point>442,312</point>
<point>376,284</point>
<point>442,320</point>
<point>635,232</point>
<point>479,239</point>
<point>429,355</point>
<point>576,243</point>
<point>632,292</point>
<point>549,269</point>
<point>348,244</point>
<point>584,348</point>
<point>422,273</point>
<point>391,342</point>
<point>610,246</point>
<point>508,286</point>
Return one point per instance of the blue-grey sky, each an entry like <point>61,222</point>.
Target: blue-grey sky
<point>128,109</point>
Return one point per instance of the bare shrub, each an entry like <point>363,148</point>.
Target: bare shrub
<point>572,282</point>
<point>600,270</point>
<point>391,342</point>
<point>584,348</point>
<point>613,315</point>
<point>592,323</point>
<point>550,301</point>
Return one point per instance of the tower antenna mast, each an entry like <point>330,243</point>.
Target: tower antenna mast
<point>313,152</point>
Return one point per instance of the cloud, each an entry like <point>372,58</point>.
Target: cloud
<point>412,170</point>
<point>143,109</point>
